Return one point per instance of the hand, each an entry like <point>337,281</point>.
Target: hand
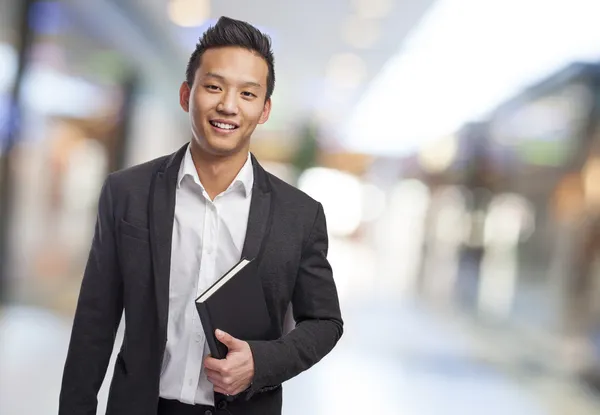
<point>233,374</point>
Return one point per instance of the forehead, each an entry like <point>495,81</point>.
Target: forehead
<point>235,64</point>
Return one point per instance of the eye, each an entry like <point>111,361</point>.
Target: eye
<point>248,94</point>
<point>212,87</point>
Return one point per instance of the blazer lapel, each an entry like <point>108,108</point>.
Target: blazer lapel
<point>161,214</point>
<point>260,216</point>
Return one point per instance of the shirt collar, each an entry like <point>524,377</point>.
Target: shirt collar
<point>244,179</point>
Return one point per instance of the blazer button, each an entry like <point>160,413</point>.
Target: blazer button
<point>222,405</point>
<point>208,412</point>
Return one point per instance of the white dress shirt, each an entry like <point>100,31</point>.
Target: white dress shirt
<point>208,237</point>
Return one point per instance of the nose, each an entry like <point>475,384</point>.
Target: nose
<point>228,104</point>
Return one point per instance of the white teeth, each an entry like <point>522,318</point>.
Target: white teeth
<point>223,125</point>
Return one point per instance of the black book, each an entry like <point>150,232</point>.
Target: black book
<point>236,304</point>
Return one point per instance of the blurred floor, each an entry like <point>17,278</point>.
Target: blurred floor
<point>392,360</point>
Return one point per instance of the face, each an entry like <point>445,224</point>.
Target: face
<point>227,100</point>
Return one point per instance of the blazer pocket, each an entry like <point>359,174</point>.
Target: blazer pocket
<point>133,231</point>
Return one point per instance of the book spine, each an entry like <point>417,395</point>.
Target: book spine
<point>209,331</point>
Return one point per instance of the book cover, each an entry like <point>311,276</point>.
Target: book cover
<point>235,303</point>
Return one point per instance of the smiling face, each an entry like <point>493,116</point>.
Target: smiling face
<point>227,100</point>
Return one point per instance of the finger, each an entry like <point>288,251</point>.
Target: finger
<point>213,374</point>
<point>227,339</point>
<point>214,364</point>
<point>217,382</point>
<point>220,390</point>
<point>237,389</point>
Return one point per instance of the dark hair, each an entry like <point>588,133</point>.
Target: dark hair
<point>231,32</point>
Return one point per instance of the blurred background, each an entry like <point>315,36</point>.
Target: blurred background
<point>454,144</point>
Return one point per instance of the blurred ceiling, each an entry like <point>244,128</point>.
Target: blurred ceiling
<point>308,38</point>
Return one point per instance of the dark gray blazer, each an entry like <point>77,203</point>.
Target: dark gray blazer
<point>128,269</point>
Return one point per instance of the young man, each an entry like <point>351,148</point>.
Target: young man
<point>167,229</point>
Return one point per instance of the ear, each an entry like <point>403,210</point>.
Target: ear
<point>265,113</point>
<point>184,96</point>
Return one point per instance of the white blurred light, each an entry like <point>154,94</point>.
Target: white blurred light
<point>373,202</point>
<point>456,67</point>
<point>373,9</point>
<point>509,220</point>
<point>51,92</point>
<point>414,191</point>
<point>189,13</point>
<point>340,194</point>
<point>8,66</point>
<point>346,70</point>
<point>448,228</point>
<point>360,33</point>
<point>438,156</point>
<point>400,233</point>
<point>452,225</point>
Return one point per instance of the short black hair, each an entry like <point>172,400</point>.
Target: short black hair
<point>231,32</point>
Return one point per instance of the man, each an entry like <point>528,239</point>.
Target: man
<point>167,229</point>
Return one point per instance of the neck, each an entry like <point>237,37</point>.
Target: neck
<point>216,173</point>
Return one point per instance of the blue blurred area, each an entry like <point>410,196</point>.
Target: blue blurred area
<point>48,18</point>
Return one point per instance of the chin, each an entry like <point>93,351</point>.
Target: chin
<point>226,147</point>
<point>221,150</point>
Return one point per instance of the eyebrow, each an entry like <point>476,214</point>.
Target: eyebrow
<point>222,79</point>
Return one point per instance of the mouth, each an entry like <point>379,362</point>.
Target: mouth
<point>223,125</point>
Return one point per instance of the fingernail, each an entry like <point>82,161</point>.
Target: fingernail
<point>219,333</point>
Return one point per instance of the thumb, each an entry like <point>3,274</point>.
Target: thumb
<point>227,339</point>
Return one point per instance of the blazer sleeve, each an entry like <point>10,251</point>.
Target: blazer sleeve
<point>97,317</point>
<point>316,310</point>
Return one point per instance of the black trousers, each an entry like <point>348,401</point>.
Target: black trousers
<point>171,407</point>
<point>265,403</point>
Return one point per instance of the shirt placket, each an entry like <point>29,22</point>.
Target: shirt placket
<point>205,277</point>
<point>195,353</point>
<point>192,365</point>
<point>209,248</point>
